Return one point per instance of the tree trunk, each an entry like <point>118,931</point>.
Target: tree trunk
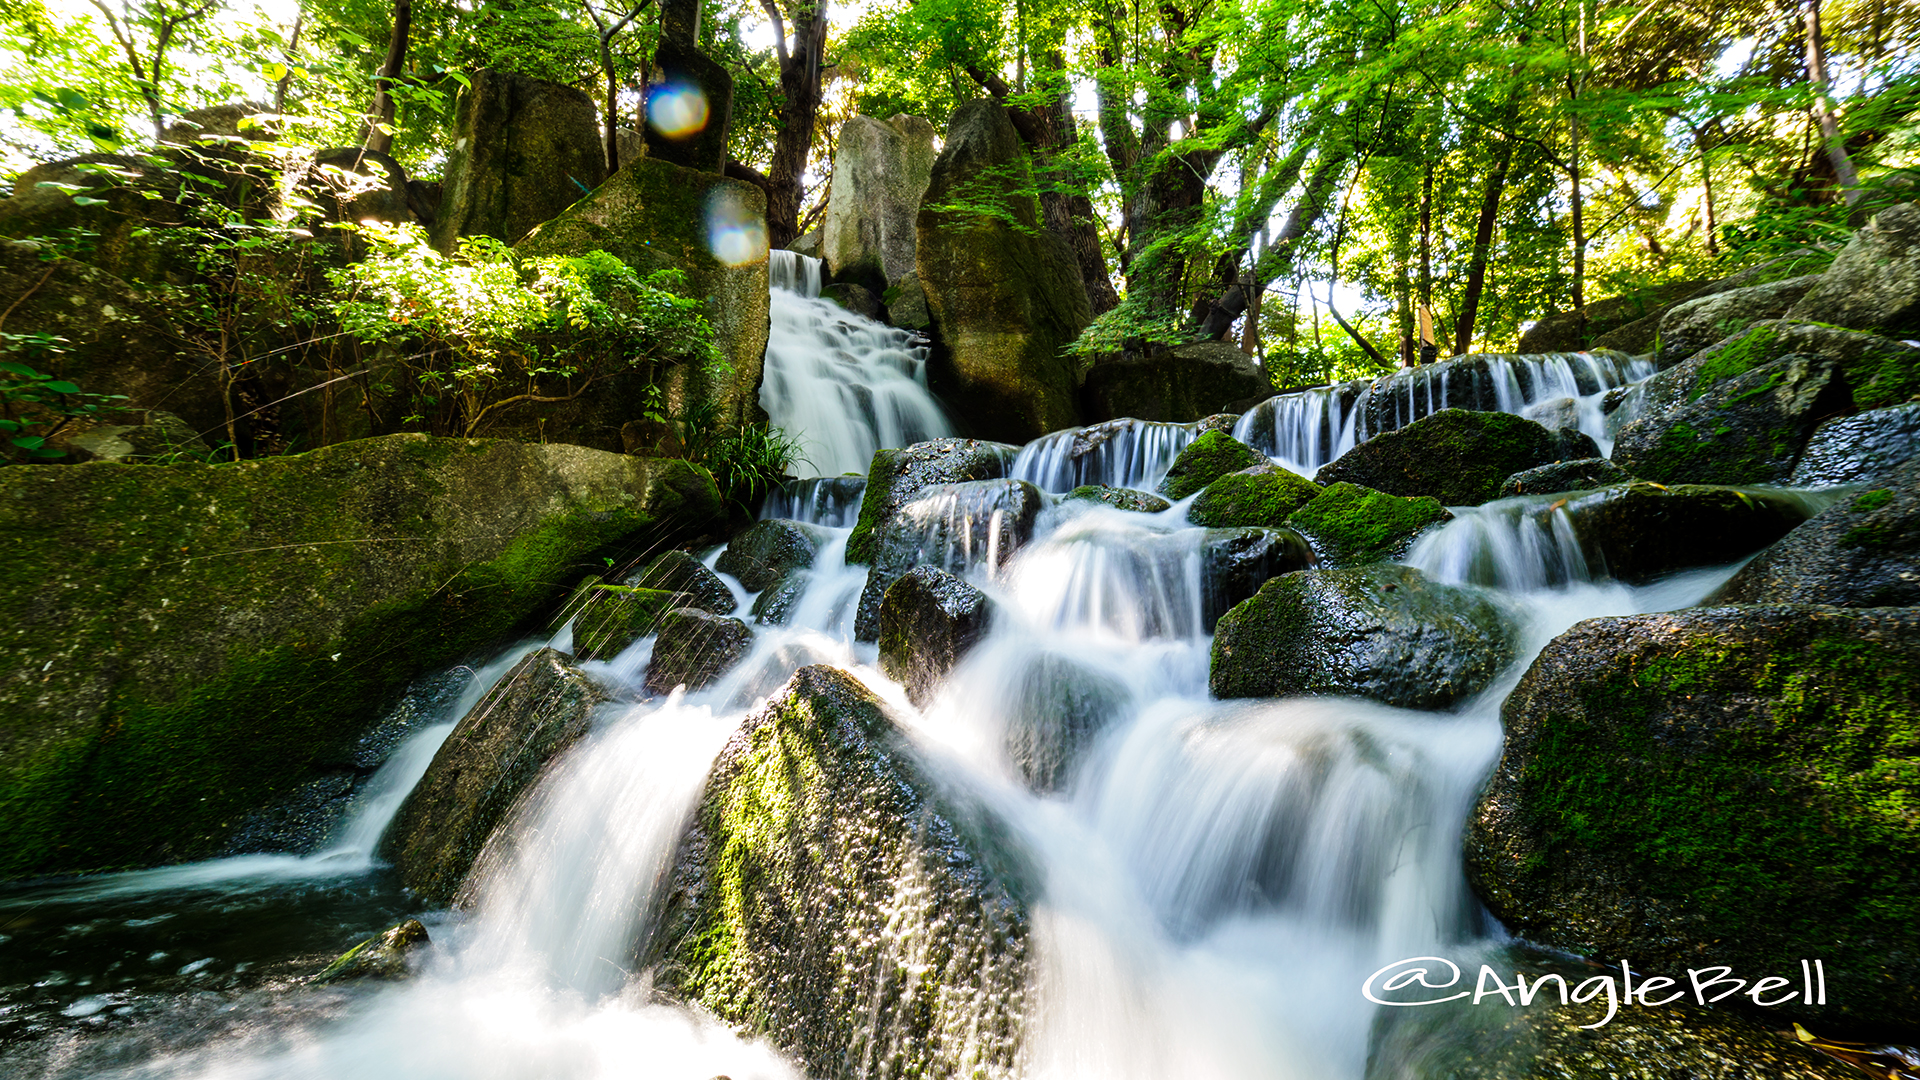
<point>379,135</point>
<point>1843,170</point>
<point>1426,238</point>
<point>799,111</point>
<point>1482,248</point>
<point>1278,258</point>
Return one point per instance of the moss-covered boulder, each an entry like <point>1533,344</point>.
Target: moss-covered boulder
<point>1863,551</point>
<point>1572,331</point>
<point>523,150</point>
<point>1181,384</point>
<point>929,619</point>
<point>1858,449</point>
<point>679,572</point>
<point>1383,632</point>
<point>495,753</point>
<point>1234,563</point>
<point>1746,429</point>
<point>1259,496</point>
<point>950,527</point>
<point>1874,283</point>
<point>897,477</point>
<point>1350,525</point>
<point>382,956</point>
<point>615,616</point>
<point>829,890</point>
<point>1455,455</point>
<point>1582,475</point>
<point>1720,786</point>
<point>1640,531</point>
<point>1208,458</point>
<point>1119,498</point>
<point>694,649</point>
<point>1005,295</point>
<point>207,637</point>
<point>766,551</point>
<point>1695,324</point>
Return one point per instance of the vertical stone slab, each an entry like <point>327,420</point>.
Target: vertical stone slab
<point>523,151</point>
<point>880,171</point>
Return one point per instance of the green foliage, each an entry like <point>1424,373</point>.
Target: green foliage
<point>746,462</point>
<point>35,406</point>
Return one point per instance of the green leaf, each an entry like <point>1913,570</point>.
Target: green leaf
<point>30,442</point>
<point>63,387</point>
<point>69,98</point>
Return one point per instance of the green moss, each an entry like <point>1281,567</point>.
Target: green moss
<point>618,616</point>
<point>874,505</point>
<point>1736,357</point>
<point>1257,496</point>
<point>1208,458</point>
<point>1871,500</point>
<point>1349,525</point>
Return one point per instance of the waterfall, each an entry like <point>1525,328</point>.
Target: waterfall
<point>1119,453</point>
<point>844,386</point>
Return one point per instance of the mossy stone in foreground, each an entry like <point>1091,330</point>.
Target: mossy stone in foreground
<point>929,620</point>
<point>1458,456</point>
<point>897,477</point>
<point>615,617</point>
<point>382,956</point>
<point>1260,496</point>
<point>1640,531</point>
<point>1206,459</point>
<point>1350,525</point>
<point>828,891</point>
<point>1863,551</point>
<point>1720,786</point>
<point>1745,429</point>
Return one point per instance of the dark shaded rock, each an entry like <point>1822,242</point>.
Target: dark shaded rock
<point>1582,475</point>
<point>906,302</point>
<point>928,620</point>
<point>1206,459</point>
<point>1695,324</point>
<point>1719,786</point>
<point>352,184</point>
<point>775,606</point>
<point>496,752</point>
<point>1181,384</point>
<point>855,298</point>
<point>1747,429</point>
<point>880,171</point>
<point>616,616</point>
<point>1456,456</point>
<point>1262,496</point>
<point>1350,525</point>
<point>1640,531</point>
<point>1874,283</point>
<point>157,437</point>
<point>1863,551</point>
<point>828,889</point>
<point>695,648</point>
<point>950,527</point>
<point>299,822</point>
<point>231,631</point>
<point>1858,449</point>
<point>897,477</point>
<point>523,150</point>
<point>703,91</point>
<point>1120,498</point>
<point>1055,709</point>
<point>1570,1040</point>
<point>1234,563</point>
<point>1006,296</point>
<point>1383,632</point>
<point>1570,332</point>
<point>765,551</point>
<point>679,572</point>
<point>382,956</point>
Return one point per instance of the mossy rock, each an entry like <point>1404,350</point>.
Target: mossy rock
<point>1208,458</point>
<point>382,956</point>
<point>1744,429</point>
<point>680,572</point>
<point>1859,449</point>
<point>929,620</point>
<point>1350,525</point>
<point>829,888</point>
<point>1863,551</point>
<point>765,551</point>
<point>1382,632</point>
<point>1874,283</point>
<point>1720,786</point>
<point>775,605</point>
<point>1119,498</point>
<point>897,477</point>
<point>1582,475</point>
<point>524,150</point>
<point>694,649</point>
<point>1261,496</point>
<point>616,616</point>
<point>1640,531</point>
<point>1182,384</point>
<point>1458,456</point>
<point>1696,324</point>
<point>206,638</point>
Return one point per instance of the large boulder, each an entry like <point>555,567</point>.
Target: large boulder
<point>1455,455</point>
<point>523,150</point>
<point>929,619</point>
<point>1719,786</point>
<point>1208,458</point>
<point>679,572</point>
<point>1874,283</point>
<point>829,889</point>
<point>1006,297</point>
<point>880,171</point>
<point>206,638</point>
<point>1572,331</point>
<point>1747,429</point>
<point>1383,632</point>
<point>1262,496</point>
<point>951,527</point>
<point>495,753</point>
<point>1695,324</point>
<point>1350,525</point>
<point>1234,563</point>
<point>1858,449</point>
<point>767,551</point>
<point>1863,551</point>
<point>897,477</point>
<point>654,215</point>
<point>1584,474</point>
<point>1181,384</point>
<point>694,649</point>
<point>689,112</point>
<point>1054,708</point>
<point>1640,531</point>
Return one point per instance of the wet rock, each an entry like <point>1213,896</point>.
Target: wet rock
<point>679,572</point>
<point>1234,563</point>
<point>382,956</point>
<point>1456,456</point>
<point>1005,295</point>
<point>1719,786</point>
<point>1640,531</point>
<point>1350,525</point>
<point>1695,324</point>
<point>1383,632</point>
<point>774,607</point>
<point>1747,429</point>
<point>298,823</point>
<point>1863,551</point>
<point>897,477</point>
<point>765,551</point>
<point>829,888</point>
<point>1554,413</point>
<point>1206,459</point>
<point>1261,496</point>
<point>616,616</point>
<point>906,302</point>
<point>1874,283</point>
<point>495,753</point>
<point>1055,709</point>
<point>880,171</point>
<point>950,527</point>
<point>1858,449</point>
<point>929,619</point>
<point>855,298</point>
<point>523,150</point>
<point>1181,384</point>
<point>1572,331</point>
<point>1119,498</point>
<point>695,648</point>
<point>829,500</point>
<point>1582,475</point>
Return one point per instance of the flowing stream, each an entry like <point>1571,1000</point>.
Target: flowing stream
<point>1217,877</point>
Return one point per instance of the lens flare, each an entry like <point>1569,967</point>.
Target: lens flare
<point>677,109</point>
<point>735,234</point>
